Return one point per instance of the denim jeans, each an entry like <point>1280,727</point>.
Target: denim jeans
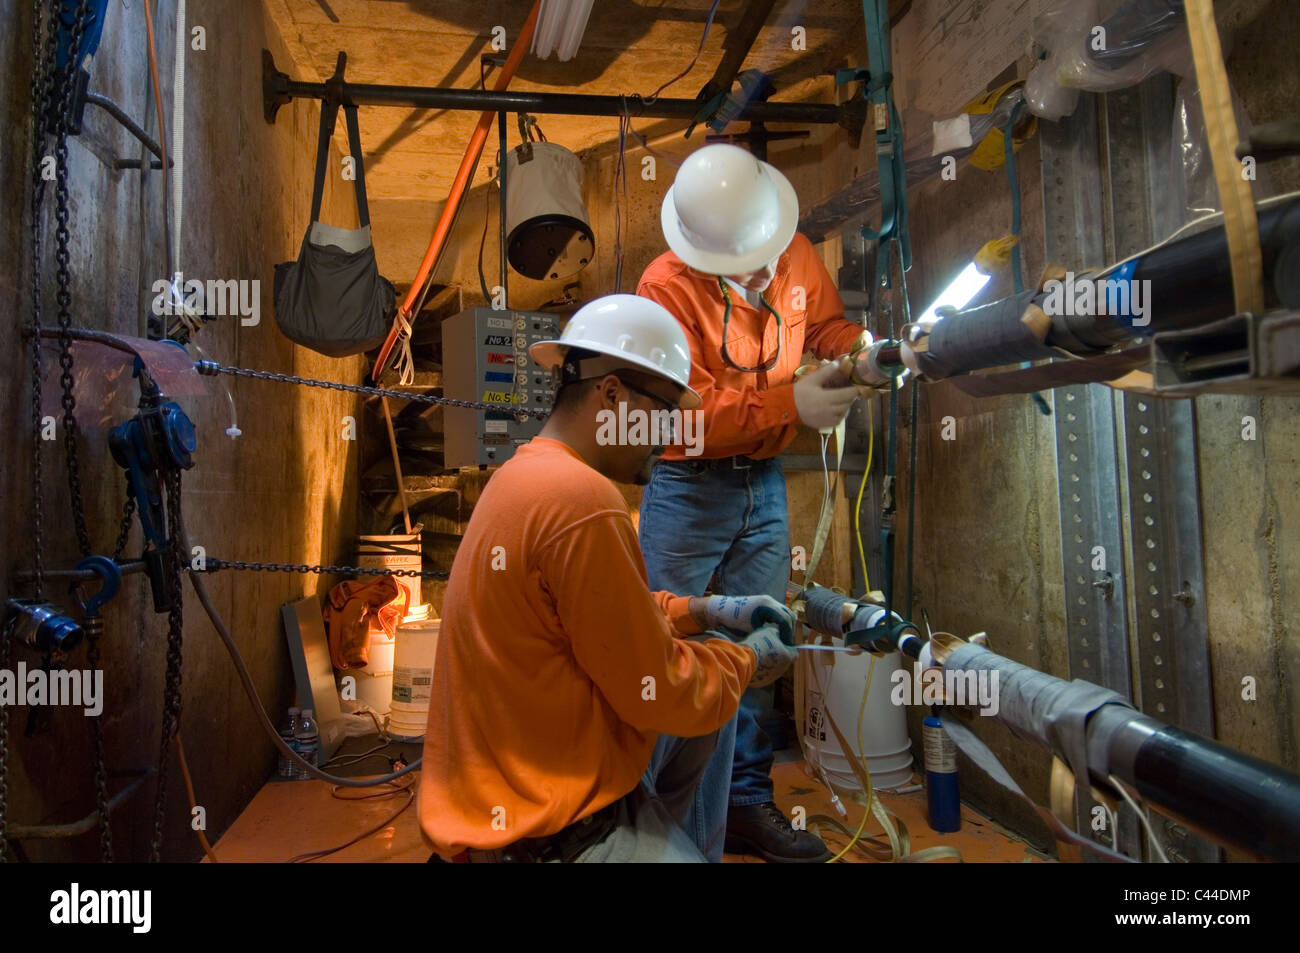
<point>709,521</point>
<point>653,819</point>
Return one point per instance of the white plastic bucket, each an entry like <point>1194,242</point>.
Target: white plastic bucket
<point>375,681</point>
<point>393,552</point>
<point>887,747</point>
<point>416,649</point>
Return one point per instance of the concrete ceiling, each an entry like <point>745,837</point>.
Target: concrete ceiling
<point>630,46</point>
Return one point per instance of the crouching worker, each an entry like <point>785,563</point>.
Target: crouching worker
<point>557,668</point>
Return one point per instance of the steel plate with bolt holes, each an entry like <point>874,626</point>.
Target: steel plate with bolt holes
<point>1087,464</point>
<point>1171,640</point>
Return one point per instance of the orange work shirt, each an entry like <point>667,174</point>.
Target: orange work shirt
<point>751,414</point>
<point>557,667</point>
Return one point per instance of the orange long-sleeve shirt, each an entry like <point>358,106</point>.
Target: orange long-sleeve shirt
<point>751,414</point>
<point>556,666</point>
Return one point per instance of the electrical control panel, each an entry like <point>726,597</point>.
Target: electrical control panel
<point>485,358</point>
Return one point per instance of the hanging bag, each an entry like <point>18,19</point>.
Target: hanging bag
<point>333,299</point>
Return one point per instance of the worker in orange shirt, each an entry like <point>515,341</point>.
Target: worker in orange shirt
<point>752,298</point>
<point>572,710</point>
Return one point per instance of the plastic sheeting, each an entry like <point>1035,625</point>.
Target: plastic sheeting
<point>103,378</point>
<point>1086,52</point>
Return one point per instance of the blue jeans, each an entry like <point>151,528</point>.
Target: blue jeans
<point>709,521</point>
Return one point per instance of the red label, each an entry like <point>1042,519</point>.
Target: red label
<point>495,357</point>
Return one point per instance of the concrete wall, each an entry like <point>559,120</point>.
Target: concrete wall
<point>987,521</point>
<point>284,491</point>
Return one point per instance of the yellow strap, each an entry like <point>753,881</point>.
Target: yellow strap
<point>828,508</point>
<point>899,848</point>
<point>1239,221</point>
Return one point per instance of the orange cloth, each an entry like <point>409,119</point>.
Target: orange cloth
<point>541,710</point>
<point>751,414</point>
<point>354,608</point>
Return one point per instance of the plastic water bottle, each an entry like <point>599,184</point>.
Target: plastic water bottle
<point>288,771</point>
<point>308,739</point>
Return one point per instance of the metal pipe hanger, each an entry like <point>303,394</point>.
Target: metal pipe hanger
<point>278,89</point>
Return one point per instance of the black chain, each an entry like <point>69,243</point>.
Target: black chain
<point>93,627</point>
<point>43,43</point>
<point>212,368</point>
<point>175,637</point>
<point>214,565</point>
<point>44,33</point>
<point>124,532</point>
<point>63,273</point>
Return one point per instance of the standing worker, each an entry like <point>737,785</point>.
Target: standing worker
<point>572,710</point>
<point>752,297</point>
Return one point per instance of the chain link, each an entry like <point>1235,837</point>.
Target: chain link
<point>63,271</point>
<point>43,43</point>
<point>124,531</point>
<point>212,368</point>
<point>93,626</point>
<point>215,565</point>
<point>44,33</point>
<point>175,638</point>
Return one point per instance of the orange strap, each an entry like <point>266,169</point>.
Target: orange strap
<point>458,186</point>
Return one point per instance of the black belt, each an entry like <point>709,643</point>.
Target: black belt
<point>737,462</point>
<point>563,846</point>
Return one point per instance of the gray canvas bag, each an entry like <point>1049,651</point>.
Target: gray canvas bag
<point>333,299</point>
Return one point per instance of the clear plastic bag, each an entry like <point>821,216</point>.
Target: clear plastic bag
<point>1086,50</point>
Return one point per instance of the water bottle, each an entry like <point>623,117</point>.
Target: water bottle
<point>288,771</point>
<point>308,741</point>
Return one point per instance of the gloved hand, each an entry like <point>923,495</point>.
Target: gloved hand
<point>822,397</point>
<point>773,655</point>
<point>745,613</point>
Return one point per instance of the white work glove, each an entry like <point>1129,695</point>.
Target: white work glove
<point>744,613</point>
<point>823,397</point>
<point>773,655</point>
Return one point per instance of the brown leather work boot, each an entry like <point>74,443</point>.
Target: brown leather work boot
<point>763,830</point>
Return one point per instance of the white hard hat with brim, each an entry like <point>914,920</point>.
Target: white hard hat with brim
<point>745,211</point>
<point>640,333</point>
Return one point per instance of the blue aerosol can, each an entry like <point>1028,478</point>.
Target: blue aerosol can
<point>941,792</point>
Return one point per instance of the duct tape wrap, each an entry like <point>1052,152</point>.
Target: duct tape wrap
<point>824,610</point>
<point>982,337</point>
<point>1036,707</point>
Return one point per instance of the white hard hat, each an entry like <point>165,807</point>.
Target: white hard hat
<point>728,213</point>
<point>637,331</point>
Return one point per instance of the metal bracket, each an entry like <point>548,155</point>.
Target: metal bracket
<point>1244,354</point>
<point>1171,642</point>
<point>1086,453</point>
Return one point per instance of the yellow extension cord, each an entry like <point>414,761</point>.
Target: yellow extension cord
<point>899,847</point>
